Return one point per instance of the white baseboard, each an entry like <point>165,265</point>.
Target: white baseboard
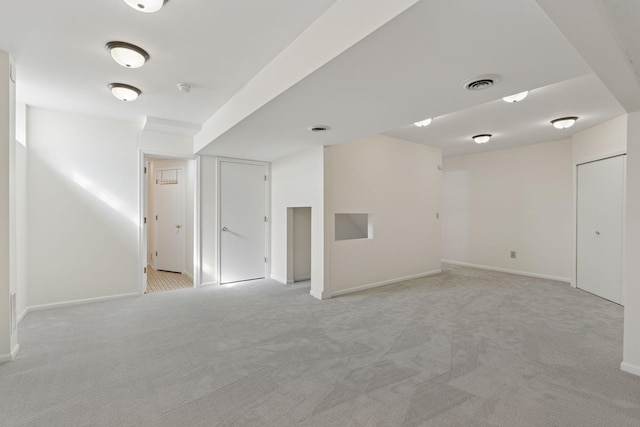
<point>288,281</point>
<point>628,367</point>
<point>206,284</point>
<point>319,295</point>
<point>506,270</point>
<point>186,273</point>
<point>24,313</point>
<point>9,357</point>
<point>279,279</point>
<point>73,302</point>
<point>383,283</point>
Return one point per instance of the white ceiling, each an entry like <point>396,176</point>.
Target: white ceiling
<point>516,124</point>
<point>406,70</point>
<point>214,45</point>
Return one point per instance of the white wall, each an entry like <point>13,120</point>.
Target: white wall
<point>188,170</point>
<point>165,143</point>
<point>21,227</point>
<point>598,142</point>
<point>518,199</point>
<point>399,184</point>
<point>208,215</point>
<point>631,282</point>
<point>7,165</point>
<point>297,181</point>
<point>83,207</point>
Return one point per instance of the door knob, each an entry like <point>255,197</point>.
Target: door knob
<point>225,229</point>
<point>597,233</point>
<point>178,226</point>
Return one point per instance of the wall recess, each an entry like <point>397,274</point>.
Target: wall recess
<point>351,226</point>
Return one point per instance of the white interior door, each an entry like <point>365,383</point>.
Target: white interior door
<point>599,227</point>
<point>170,243</point>
<point>242,221</point>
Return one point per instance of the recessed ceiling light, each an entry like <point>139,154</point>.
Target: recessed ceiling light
<point>482,138</point>
<point>124,92</point>
<point>564,122</point>
<point>517,97</point>
<point>423,123</point>
<point>127,54</point>
<point>148,6</point>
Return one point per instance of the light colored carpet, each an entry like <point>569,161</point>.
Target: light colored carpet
<point>464,348</point>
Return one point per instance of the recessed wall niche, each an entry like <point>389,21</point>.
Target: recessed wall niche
<point>351,226</point>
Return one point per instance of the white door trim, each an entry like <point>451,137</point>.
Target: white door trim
<point>267,210</point>
<point>142,229</point>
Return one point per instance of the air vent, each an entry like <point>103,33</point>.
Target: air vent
<point>318,128</point>
<point>481,82</point>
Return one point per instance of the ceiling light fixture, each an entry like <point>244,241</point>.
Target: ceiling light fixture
<point>564,122</point>
<point>423,123</point>
<point>482,138</point>
<point>127,54</point>
<point>124,92</point>
<point>184,87</point>
<point>517,97</point>
<point>148,6</point>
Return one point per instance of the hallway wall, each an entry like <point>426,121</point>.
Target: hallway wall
<point>82,207</point>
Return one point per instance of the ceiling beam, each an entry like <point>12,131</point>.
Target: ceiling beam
<point>589,27</point>
<point>343,25</point>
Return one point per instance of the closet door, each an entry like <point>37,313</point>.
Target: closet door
<point>600,206</point>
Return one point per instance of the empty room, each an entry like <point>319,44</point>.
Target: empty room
<point>320,213</point>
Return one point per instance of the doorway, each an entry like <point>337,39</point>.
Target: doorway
<point>599,230</point>
<point>243,220</point>
<point>169,211</point>
<point>298,244</point>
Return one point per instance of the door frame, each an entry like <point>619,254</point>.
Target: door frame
<point>183,198</point>
<point>143,156</point>
<point>267,210</point>
<point>576,163</point>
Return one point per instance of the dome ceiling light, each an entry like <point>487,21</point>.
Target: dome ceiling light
<point>482,138</point>
<point>124,92</point>
<point>147,6</point>
<point>564,122</point>
<point>423,123</point>
<point>517,97</point>
<point>127,54</point>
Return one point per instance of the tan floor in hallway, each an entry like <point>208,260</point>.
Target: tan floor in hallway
<point>160,281</point>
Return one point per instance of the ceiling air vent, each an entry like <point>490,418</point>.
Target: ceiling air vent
<point>318,128</point>
<point>481,82</point>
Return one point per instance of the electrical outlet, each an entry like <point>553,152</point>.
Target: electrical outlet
<point>513,254</point>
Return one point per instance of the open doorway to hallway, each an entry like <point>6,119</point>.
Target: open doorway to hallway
<point>169,219</point>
